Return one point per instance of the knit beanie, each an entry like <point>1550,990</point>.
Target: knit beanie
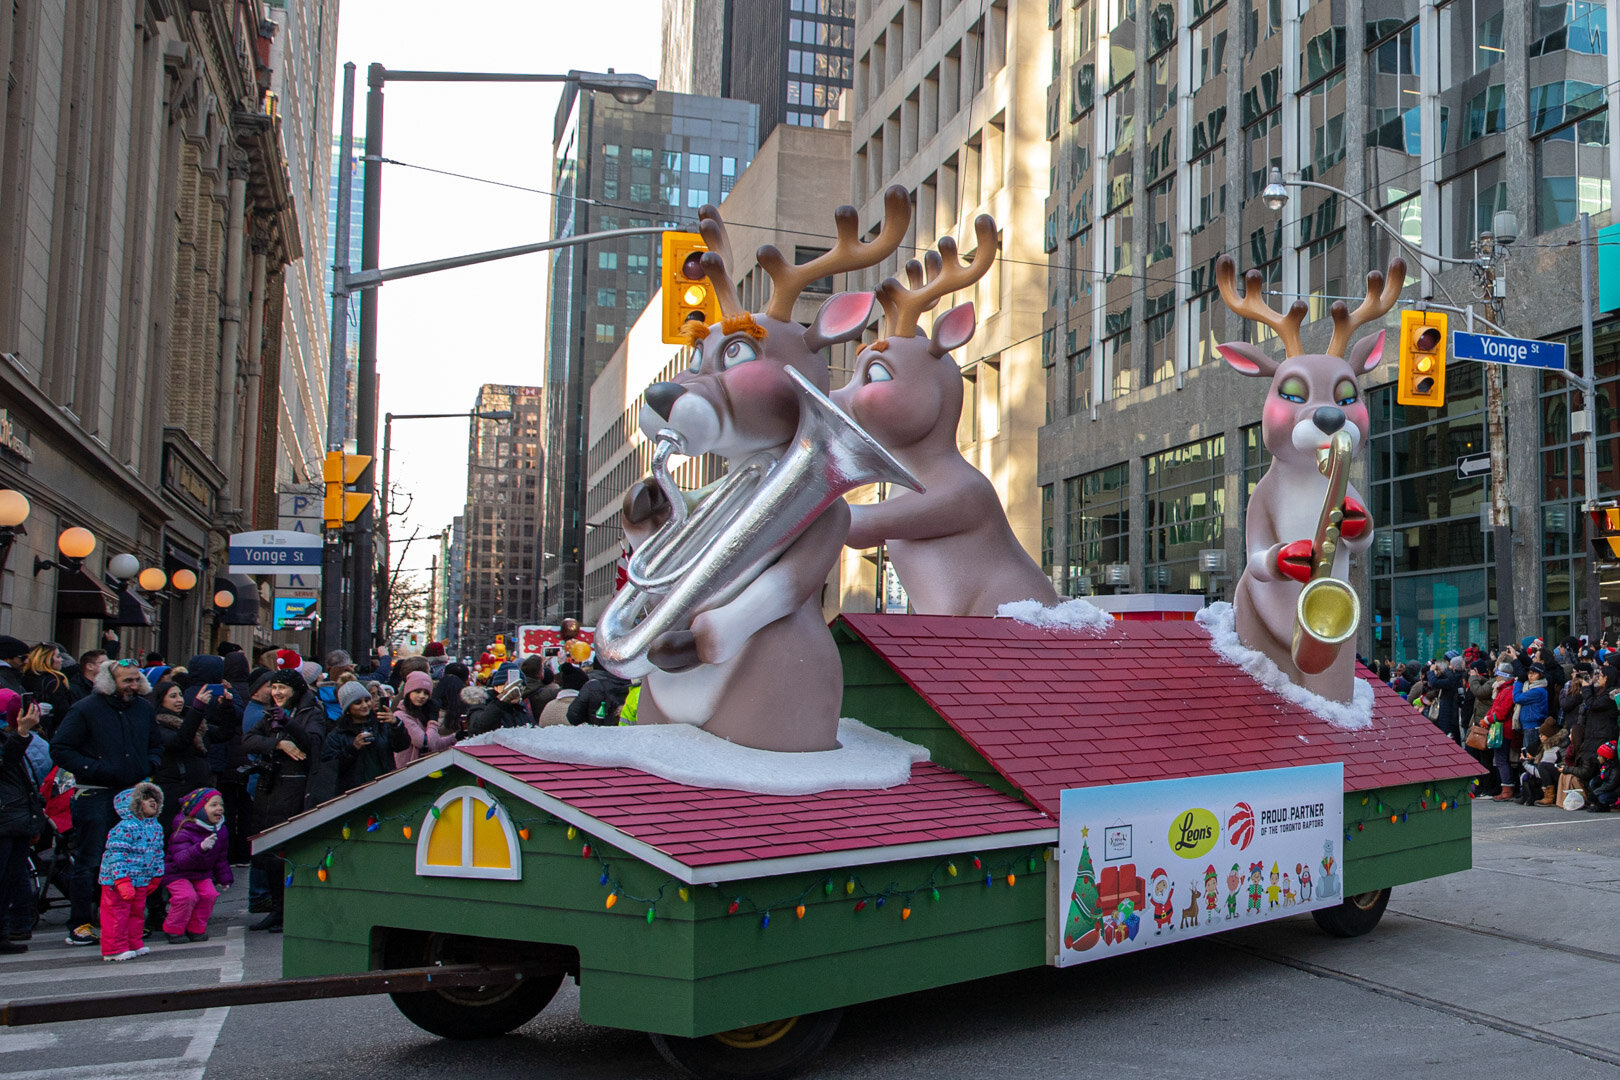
<point>311,671</point>
<point>417,680</point>
<point>351,692</point>
<point>191,805</point>
<point>11,648</point>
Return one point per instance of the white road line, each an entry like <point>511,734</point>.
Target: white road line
<point>13,1041</point>
<point>1543,824</point>
<point>134,967</point>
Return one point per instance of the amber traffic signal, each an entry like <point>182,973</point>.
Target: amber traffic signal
<point>1605,526</point>
<point>340,507</point>
<point>688,295</point>
<point>1422,378</point>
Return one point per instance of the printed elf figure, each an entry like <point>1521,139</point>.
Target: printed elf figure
<point>1212,894</point>
<point>1273,889</point>
<point>1255,870</point>
<point>1234,882</point>
<point>1161,895</point>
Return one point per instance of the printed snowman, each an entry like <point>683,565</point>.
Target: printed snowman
<point>1330,880</point>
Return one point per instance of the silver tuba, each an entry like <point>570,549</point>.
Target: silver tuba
<point>699,560</point>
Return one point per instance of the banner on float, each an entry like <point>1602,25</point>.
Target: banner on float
<point>1147,864</point>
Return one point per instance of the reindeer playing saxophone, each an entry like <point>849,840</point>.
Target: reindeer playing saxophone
<point>906,391</point>
<point>750,659</point>
<point>1294,603</point>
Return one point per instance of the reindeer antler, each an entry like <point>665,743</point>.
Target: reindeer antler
<point>1252,304</point>
<point>717,261</point>
<point>918,274</point>
<point>902,307</point>
<point>1383,292</point>
<point>789,280</point>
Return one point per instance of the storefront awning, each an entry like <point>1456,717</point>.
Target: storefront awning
<point>133,610</point>
<point>80,596</point>
<point>245,611</point>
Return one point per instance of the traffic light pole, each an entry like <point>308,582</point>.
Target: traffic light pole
<point>1589,460</point>
<point>331,612</point>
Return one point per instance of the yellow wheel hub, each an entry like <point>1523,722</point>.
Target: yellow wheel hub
<point>757,1036</point>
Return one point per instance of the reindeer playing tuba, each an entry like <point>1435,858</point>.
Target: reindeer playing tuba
<point>722,615</point>
<point>1294,602</point>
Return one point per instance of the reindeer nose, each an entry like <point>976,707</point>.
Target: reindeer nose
<point>663,395</point>
<point>1328,418</point>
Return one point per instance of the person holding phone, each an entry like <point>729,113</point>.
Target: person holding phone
<point>363,744</point>
<point>22,819</point>
<point>181,730</point>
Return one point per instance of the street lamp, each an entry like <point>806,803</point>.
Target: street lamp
<point>13,512</point>
<point>75,545</point>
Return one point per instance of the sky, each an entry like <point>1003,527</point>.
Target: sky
<point>443,335</point>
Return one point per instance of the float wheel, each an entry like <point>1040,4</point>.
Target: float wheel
<point>766,1051</point>
<point>469,1012</point>
<point>1355,916</point>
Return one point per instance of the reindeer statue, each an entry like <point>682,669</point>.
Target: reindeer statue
<point>1294,602</point>
<point>734,640</point>
<point>907,392</point>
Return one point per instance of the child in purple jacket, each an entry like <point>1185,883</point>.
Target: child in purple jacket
<point>199,856</point>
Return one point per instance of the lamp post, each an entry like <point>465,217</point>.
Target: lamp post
<point>13,512</point>
<point>627,88</point>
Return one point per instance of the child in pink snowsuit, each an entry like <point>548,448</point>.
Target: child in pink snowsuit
<point>131,867</point>
<point>199,857</point>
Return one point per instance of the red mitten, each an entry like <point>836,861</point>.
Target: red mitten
<point>1355,519</point>
<point>1294,560</point>
<point>125,888</point>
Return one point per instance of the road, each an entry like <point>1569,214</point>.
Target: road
<point>1504,969</point>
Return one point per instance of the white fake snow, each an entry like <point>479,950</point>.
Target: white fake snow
<point>865,758</point>
<point>1069,615</point>
<point>1221,622</point>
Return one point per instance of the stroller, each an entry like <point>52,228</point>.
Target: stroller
<point>50,864</point>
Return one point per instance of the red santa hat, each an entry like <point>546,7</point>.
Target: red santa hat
<point>1158,873</point>
<point>288,660</point>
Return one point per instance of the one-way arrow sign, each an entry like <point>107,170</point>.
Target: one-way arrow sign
<point>1473,465</point>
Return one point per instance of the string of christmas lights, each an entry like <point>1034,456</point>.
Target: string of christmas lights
<point>855,890</point>
<point>1435,799</point>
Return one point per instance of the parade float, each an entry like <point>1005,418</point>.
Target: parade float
<point>811,817</point>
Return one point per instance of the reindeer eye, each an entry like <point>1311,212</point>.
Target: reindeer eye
<point>876,372</point>
<point>1292,389</point>
<point>1345,392</point>
<point>739,352</point>
<point>696,366</point>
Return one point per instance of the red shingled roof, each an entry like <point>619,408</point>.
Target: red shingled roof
<point>1138,701</point>
<point>707,827</point>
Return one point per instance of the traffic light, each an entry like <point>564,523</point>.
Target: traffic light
<point>341,507</point>
<point>1605,525</point>
<point>688,294</point>
<point>1422,378</point>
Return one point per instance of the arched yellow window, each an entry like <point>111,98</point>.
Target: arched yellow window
<point>470,838</point>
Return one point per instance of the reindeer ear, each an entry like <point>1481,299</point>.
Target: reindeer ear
<point>840,319</point>
<point>953,329</point>
<point>1245,359</point>
<point>1367,353</point>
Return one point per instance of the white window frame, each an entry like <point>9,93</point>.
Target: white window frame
<point>465,870</point>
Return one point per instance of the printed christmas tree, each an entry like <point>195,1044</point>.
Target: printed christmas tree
<point>1080,931</point>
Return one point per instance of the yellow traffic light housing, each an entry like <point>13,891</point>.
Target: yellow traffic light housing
<point>688,294</point>
<point>1605,533</point>
<point>1422,378</point>
<point>339,507</point>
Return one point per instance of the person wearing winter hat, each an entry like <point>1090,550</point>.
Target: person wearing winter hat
<point>131,867</point>
<point>362,745</point>
<point>21,810</point>
<point>198,860</point>
<point>288,660</point>
<point>427,736</point>
<point>287,739</point>
<point>311,671</point>
<point>13,652</point>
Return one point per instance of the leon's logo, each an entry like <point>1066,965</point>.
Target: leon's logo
<point>1193,833</point>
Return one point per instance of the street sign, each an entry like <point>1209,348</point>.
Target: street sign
<point>275,551</point>
<point>1520,352</point>
<point>1473,465</point>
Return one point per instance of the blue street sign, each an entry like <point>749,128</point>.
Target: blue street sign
<point>1520,352</point>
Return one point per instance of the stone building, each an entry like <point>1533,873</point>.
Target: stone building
<point>146,216</point>
<point>500,561</point>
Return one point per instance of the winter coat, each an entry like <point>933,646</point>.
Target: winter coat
<point>1601,723</point>
<point>135,844</point>
<point>598,703</point>
<point>285,788</point>
<point>363,764</point>
<point>49,690</point>
<point>187,859</point>
<point>1532,702</point>
<point>1502,709</point>
<point>22,810</point>
<point>537,695</point>
<point>1446,684</point>
<point>225,753</point>
<point>492,715</point>
<point>184,767</point>
<point>556,710</point>
<point>424,740</point>
<point>108,741</point>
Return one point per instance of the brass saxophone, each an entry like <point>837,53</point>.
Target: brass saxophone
<point>1328,610</point>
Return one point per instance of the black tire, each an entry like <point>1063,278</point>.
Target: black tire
<point>1355,916</point>
<point>469,1012</point>
<point>761,1052</point>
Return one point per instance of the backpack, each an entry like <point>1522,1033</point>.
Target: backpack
<point>328,699</point>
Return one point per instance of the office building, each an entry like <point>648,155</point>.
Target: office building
<point>786,198</point>
<point>1164,123</point>
<point>500,566</point>
<point>950,102</point>
<point>357,178</point>
<point>617,166</point>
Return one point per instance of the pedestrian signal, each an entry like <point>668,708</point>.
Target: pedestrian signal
<point>1422,379</point>
<point>688,293</point>
<point>1605,525</point>
<point>338,471</point>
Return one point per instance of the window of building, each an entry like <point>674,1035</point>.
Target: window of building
<point>641,193</point>
<point>1161,222</point>
<point>1468,206</point>
<point>1553,103</point>
<point>1097,525</point>
<point>636,264</point>
<point>671,160</point>
<point>1185,502</point>
<point>641,156</point>
<point>698,163</point>
<point>605,333</point>
<point>1117,243</point>
<point>607,297</point>
<point>1207,177</point>
<point>1048,524</point>
<point>695,198</point>
<point>1578,26</point>
<point>1572,172</point>
<point>1264,18</point>
<point>1118,378</point>
<point>1079,361</point>
<point>1209,52</point>
<point>607,260</point>
<point>1159,328</point>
